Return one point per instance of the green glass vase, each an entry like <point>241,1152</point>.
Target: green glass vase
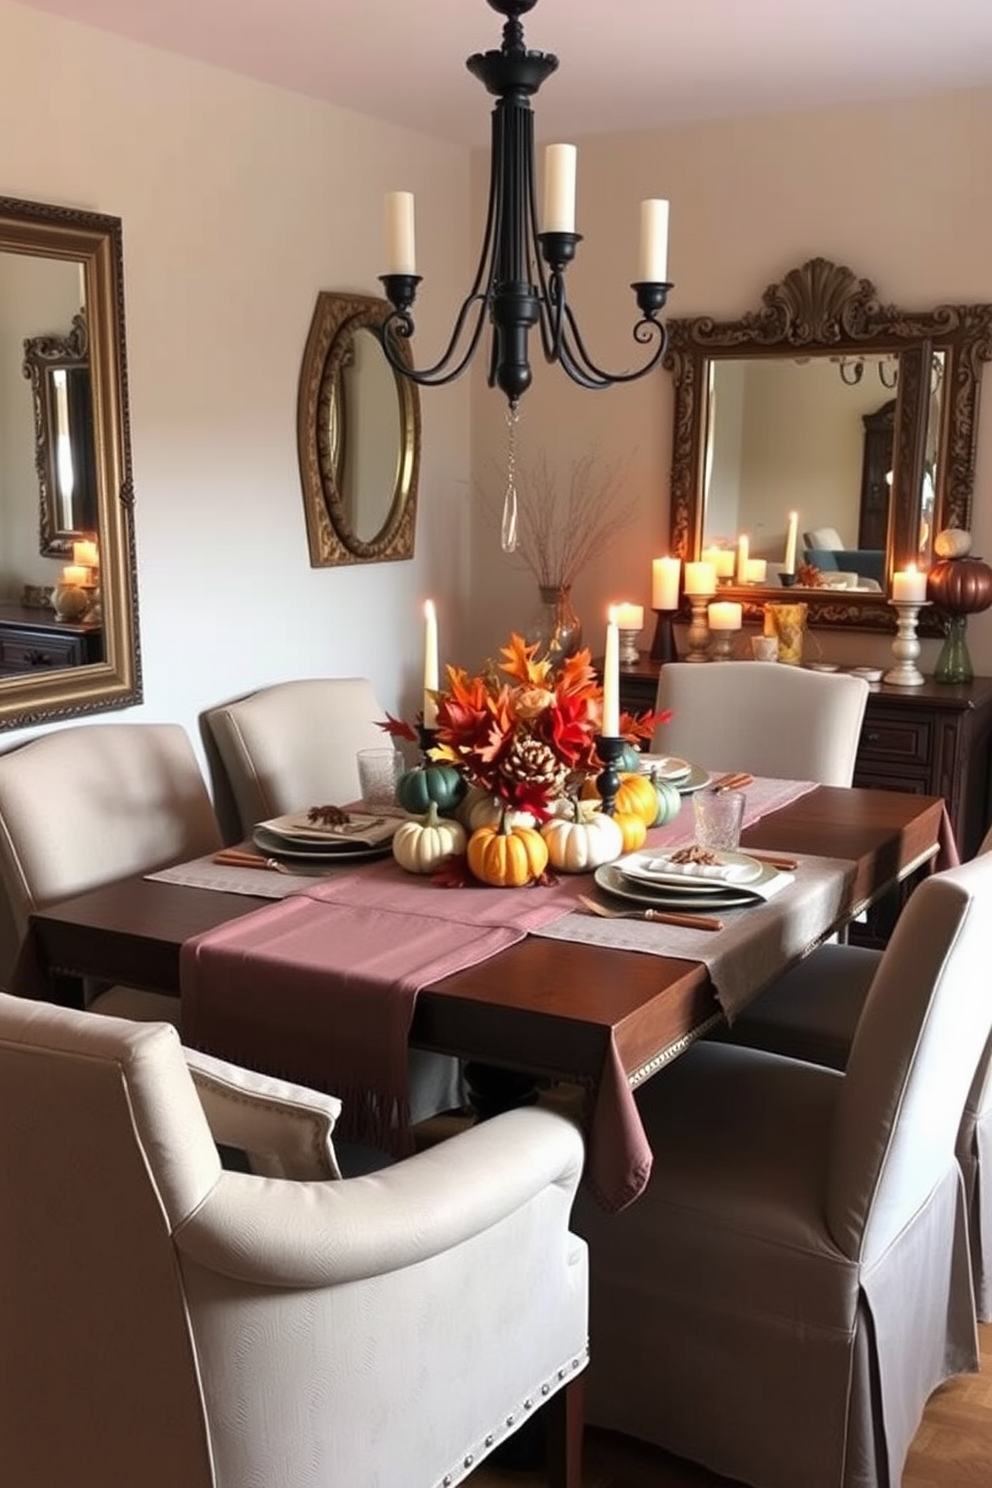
<point>954,662</point>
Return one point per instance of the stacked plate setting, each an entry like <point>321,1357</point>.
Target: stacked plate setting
<point>678,772</point>
<point>296,838</point>
<point>650,877</point>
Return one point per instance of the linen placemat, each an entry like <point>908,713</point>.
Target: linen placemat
<point>756,944</point>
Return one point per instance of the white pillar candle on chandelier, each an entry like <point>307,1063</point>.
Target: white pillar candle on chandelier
<point>665,576</point>
<point>430,664</point>
<point>559,188</point>
<point>401,252</point>
<point>652,263</point>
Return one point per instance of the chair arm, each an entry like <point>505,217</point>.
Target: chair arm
<point>322,1234</point>
<point>284,1129</point>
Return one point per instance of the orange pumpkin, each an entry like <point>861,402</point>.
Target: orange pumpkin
<point>507,857</point>
<point>636,796</point>
<point>634,829</point>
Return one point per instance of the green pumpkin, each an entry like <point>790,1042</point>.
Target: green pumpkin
<point>630,759</point>
<point>669,800</point>
<point>441,784</point>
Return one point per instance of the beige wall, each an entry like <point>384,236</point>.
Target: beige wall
<point>239,202</point>
<point>898,192</point>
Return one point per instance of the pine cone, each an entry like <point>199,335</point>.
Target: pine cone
<point>530,761</point>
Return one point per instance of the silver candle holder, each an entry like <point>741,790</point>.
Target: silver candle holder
<point>698,634</point>
<point>628,654</point>
<point>906,646</point>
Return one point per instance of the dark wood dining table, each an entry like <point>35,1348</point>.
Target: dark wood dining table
<point>547,1008</point>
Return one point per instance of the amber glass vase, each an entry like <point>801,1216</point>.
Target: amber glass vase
<point>556,627</point>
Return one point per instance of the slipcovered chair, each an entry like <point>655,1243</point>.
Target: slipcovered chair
<point>287,746</point>
<point>294,745</point>
<point>168,1324</point>
<point>812,1013</point>
<point>794,1282</point>
<point>761,716</point>
<point>82,806</point>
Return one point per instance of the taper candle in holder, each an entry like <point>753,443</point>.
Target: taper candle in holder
<point>630,623</point>
<point>908,597</point>
<point>666,575</point>
<point>700,587</point>
<point>724,619</point>
<point>431,671</point>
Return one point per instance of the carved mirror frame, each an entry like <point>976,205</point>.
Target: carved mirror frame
<point>824,309</point>
<point>320,442</point>
<point>94,241</point>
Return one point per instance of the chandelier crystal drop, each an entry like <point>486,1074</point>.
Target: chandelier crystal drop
<point>520,281</point>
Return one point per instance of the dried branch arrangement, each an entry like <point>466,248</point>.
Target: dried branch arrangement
<point>561,529</point>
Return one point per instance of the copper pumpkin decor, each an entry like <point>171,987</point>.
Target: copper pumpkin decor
<point>959,586</point>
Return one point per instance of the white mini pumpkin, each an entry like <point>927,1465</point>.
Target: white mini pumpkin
<point>953,542</point>
<point>582,843</point>
<point>421,846</point>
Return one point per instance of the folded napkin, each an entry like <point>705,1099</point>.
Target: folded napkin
<point>667,867</point>
<point>358,831</point>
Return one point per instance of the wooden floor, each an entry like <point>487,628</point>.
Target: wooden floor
<point>953,1448</point>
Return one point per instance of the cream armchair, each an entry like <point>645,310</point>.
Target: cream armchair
<point>165,1322</point>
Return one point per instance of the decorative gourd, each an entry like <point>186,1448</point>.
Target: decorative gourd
<point>633,828</point>
<point>417,788</point>
<point>506,856</point>
<point>953,542</point>
<point>635,794</point>
<point>478,808</point>
<point>961,586</point>
<point>421,846</point>
<point>583,842</point>
<point>630,758</point>
<point>669,800</point>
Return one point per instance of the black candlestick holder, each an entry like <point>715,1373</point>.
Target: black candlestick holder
<point>609,748</point>
<point>663,647</point>
<point>428,739</point>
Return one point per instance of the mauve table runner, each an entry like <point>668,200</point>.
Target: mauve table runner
<point>321,984</point>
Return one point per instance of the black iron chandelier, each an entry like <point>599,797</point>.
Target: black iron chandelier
<point>520,281</point>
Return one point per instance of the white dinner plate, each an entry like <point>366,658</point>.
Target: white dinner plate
<point>360,830</point>
<point>653,867</point>
<point>664,767</point>
<point>609,878</point>
<point>329,852</point>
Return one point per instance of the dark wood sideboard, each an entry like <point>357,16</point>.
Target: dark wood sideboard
<point>34,640</point>
<point>932,740</point>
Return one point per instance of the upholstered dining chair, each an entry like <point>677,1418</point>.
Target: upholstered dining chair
<point>812,1013</point>
<point>289,745</point>
<point>281,1327</point>
<point>795,1280</point>
<point>293,745</point>
<point>764,717</point>
<point>84,805</point>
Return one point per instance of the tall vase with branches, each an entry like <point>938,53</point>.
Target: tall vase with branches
<point>562,526</point>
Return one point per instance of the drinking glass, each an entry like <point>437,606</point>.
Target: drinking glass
<point>379,771</point>
<point>719,816</point>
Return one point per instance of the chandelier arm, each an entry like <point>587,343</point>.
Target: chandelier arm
<point>400,323</point>
<point>580,366</point>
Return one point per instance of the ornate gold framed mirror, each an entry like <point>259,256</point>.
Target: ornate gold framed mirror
<point>54,260</point>
<point>358,437</point>
<point>856,416</point>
